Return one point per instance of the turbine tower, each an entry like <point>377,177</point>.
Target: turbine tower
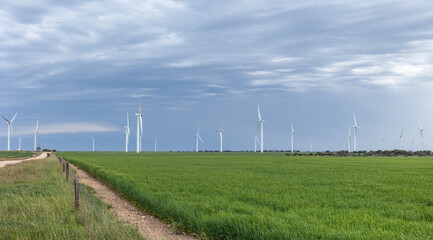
<point>127,133</point>
<point>9,129</point>
<point>220,131</point>
<point>381,142</point>
<point>261,121</point>
<point>349,139</point>
<point>293,134</point>
<point>36,133</point>
<point>420,131</point>
<point>355,131</point>
<point>19,143</point>
<point>93,143</point>
<point>197,137</point>
<point>401,139</point>
<point>155,141</point>
<point>139,126</point>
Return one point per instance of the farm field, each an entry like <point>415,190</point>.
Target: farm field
<point>267,196</point>
<point>7,155</point>
<point>36,202</point>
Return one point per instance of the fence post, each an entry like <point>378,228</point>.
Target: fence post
<point>67,171</point>
<point>77,192</point>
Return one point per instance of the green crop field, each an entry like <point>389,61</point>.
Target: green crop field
<point>7,155</point>
<point>267,196</point>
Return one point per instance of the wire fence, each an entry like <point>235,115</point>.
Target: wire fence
<point>91,209</point>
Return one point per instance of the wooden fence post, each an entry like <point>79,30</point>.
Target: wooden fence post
<point>63,165</point>
<point>67,171</point>
<point>77,192</point>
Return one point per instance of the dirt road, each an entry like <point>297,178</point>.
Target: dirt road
<point>4,163</point>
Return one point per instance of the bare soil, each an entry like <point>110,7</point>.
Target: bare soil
<point>149,226</point>
<point>9,162</point>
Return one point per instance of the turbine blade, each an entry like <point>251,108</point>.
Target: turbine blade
<point>420,125</point>
<point>258,127</point>
<point>354,119</point>
<point>141,124</point>
<point>37,125</point>
<point>258,109</point>
<point>293,131</point>
<point>200,138</point>
<point>5,119</point>
<point>127,119</point>
<point>14,117</point>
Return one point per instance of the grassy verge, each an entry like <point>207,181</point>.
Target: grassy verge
<point>272,196</point>
<point>37,203</point>
<point>9,155</point>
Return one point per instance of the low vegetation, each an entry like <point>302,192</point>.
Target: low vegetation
<point>9,155</point>
<point>37,203</point>
<point>272,196</point>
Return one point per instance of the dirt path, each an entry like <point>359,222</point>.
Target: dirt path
<point>4,163</point>
<point>149,226</point>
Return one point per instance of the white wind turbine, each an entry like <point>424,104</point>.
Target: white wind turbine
<point>197,137</point>
<point>420,131</point>
<point>155,141</point>
<point>127,133</point>
<point>36,134</point>
<point>260,125</point>
<point>10,128</point>
<point>381,142</point>
<point>220,131</point>
<point>355,131</point>
<point>139,126</point>
<point>349,140</point>
<point>401,139</point>
<point>293,134</point>
<point>93,143</point>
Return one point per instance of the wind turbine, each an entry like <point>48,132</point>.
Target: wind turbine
<point>261,121</point>
<point>127,132</point>
<point>9,129</point>
<point>197,137</point>
<point>401,139</point>
<point>349,139</point>
<point>420,130</point>
<point>155,141</point>
<point>381,142</point>
<point>139,126</point>
<point>355,131</point>
<point>293,134</point>
<point>220,131</point>
<point>93,143</point>
<point>311,146</point>
<point>19,143</point>
<point>36,133</point>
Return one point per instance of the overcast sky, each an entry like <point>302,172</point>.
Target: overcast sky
<point>78,67</point>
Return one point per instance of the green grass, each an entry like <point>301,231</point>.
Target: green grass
<point>272,196</point>
<point>8,155</point>
<point>36,202</point>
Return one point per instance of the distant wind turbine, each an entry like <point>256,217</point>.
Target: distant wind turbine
<point>36,133</point>
<point>349,140</point>
<point>355,131</point>
<point>10,129</point>
<point>19,143</point>
<point>155,141</point>
<point>197,137</point>
<point>139,126</point>
<point>381,142</point>
<point>261,121</point>
<point>93,143</point>
<point>220,131</point>
<point>127,133</point>
<point>293,134</point>
<point>401,139</point>
<point>420,131</point>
